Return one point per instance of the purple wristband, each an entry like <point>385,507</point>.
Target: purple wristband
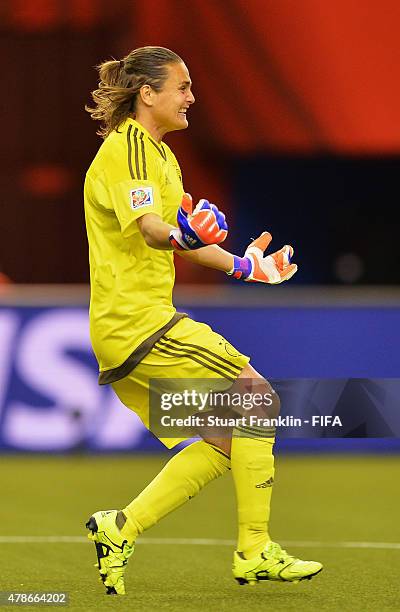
<point>242,267</point>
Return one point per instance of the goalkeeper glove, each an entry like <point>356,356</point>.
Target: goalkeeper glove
<point>199,227</point>
<point>256,268</point>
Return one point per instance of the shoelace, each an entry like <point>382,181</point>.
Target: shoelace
<point>127,551</point>
<point>274,550</point>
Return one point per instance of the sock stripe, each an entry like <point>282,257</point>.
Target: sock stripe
<point>257,432</point>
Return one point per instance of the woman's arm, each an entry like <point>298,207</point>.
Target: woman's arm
<point>211,256</point>
<point>156,234</point>
<point>155,231</point>
<point>254,266</point>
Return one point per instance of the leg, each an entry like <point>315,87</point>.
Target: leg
<point>114,532</point>
<point>190,351</point>
<point>181,479</point>
<point>191,469</point>
<point>252,464</point>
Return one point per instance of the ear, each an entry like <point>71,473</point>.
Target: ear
<point>146,95</point>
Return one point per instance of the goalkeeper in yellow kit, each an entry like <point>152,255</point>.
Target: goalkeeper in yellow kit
<point>137,216</point>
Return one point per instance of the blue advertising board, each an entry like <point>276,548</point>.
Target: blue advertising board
<point>50,400</point>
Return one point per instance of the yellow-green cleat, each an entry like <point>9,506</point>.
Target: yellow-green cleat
<point>113,551</point>
<point>273,563</point>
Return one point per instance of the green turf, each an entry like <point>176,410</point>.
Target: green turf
<point>329,499</point>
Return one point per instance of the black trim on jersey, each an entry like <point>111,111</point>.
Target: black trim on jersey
<point>135,138</point>
<point>187,346</point>
<point>143,156</point>
<point>187,352</point>
<point>171,344</point>
<point>161,348</point>
<point>114,374</point>
<point>128,137</point>
<point>159,149</point>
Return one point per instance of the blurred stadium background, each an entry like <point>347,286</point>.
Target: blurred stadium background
<point>296,130</point>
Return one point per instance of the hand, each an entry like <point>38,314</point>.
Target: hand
<point>199,227</point>
<point>256,268</point>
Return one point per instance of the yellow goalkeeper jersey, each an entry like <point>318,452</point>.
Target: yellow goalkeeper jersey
<point>131,283</point>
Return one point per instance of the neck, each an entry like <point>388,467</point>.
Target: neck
<point>155,131</point>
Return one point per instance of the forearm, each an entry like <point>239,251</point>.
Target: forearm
<point>211,256</point>
<point>155,231</point>
<point>157,234</point>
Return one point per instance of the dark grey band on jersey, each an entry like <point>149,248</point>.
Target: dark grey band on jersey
<point>110,376</point>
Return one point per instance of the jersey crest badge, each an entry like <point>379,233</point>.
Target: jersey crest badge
<point>143,196</point>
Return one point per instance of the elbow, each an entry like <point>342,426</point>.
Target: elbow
<point>146,230</point>
<point>149,240</point>
<point>154,231</point>
<point>146,235</point>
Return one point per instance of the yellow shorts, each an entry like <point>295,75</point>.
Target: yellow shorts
<point>189,350</point>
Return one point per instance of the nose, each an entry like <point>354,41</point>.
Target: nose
<point>191,98</point>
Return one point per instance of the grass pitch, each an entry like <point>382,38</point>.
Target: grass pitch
<point>334,509</point>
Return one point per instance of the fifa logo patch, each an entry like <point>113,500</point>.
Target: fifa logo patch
<point>143,196</point>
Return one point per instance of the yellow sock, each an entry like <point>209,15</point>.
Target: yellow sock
<point>180,480</point>
<point>252,464</point>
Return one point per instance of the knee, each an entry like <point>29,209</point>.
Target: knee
<point>261,387</point>
<point>271,405</point>
<point>223,444</point>
<point>276,402</point>
<point>258,384</point>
